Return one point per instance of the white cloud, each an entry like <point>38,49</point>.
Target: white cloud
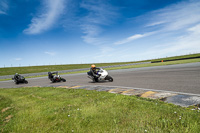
<point>99,14</point>
<point>18,59</point>
<point>3,6</point>
<point>50,53</point>
<point>195,29</point>
<point>104,52</point>
<point>171,19</point>
<point>91,32</point>
<point>185,44</point>
<point>176,16</point>
<point>131,38</point>
<point>2,12</point>
<point>182,24</point>
<point>155,23</point>
<point>47,17</point>
<point>175,30</point>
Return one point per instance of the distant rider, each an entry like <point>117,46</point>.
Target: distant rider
<point>51,76</point>
<point>93,71</point>
<point>16,76</point>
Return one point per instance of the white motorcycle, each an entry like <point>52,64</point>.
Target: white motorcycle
<point>102,76</point>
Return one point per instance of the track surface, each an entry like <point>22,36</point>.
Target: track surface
<point>183,78</point>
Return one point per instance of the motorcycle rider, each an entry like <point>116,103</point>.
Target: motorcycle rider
<point>19,79</point>
<point>51,76</point>
<point>93,71</point>
<point>16,76</point>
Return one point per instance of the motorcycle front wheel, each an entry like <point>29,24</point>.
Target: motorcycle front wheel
<point>109,78</point>
<point>64,80</point>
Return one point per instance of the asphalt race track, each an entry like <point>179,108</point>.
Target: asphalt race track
<point>184,78</point>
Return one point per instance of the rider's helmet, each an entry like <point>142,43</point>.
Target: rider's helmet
<point>93,66</point>
<point>16,74</point>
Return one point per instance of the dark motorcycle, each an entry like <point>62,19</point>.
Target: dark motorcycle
<point>20,79</point>
<point>54,77</point>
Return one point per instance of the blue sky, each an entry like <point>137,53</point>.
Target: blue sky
<point>43,32</point>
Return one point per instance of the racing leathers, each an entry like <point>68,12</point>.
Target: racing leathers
<point>93,72</point>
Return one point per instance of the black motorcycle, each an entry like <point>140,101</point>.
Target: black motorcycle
<point>20,79</point>
<point>54,77</point>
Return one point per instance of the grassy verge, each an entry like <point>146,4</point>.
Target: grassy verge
<point>177,57</point>
<point>71,110</point>
<point>157,64</point>
<point>37,69</point>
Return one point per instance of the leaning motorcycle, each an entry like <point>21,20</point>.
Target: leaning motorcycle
<point>55,78</point>
<point>20,79</point>
<point>102,75</point>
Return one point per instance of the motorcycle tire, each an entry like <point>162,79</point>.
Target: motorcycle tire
<point>96,80</point>
<point>64,80</point>
<point>26,82</point>
<point>109,78</point>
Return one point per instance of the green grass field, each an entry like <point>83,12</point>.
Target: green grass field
<point>37,69</point>
<point>59,110</point>
<point>177,57</point>
<point>157,64</point>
